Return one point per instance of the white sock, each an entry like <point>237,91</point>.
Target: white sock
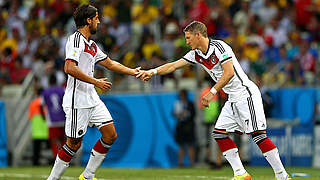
<point>58,169</point>
<point>274,160</point>
<point>233,158</point>
<point>93,164</point>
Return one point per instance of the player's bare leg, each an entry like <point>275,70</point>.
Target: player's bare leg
<point>100,149</point>
<point>64,157</point>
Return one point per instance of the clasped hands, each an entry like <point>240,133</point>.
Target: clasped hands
<point>143,75</point>
<point>104,84</point>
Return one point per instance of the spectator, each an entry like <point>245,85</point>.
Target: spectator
<point>120,32</point>
<point>303,13</point>
<point>279,35</point>
<point>167,43</point>
<point>42,27</point>
<point>150,47</point>
<point>142,17</point>
<point>184,111</point>
<point>267,11</point>
<point>18,72</point>
<point>105,38</point>
<point>241,18</point>
<point>39,128</point>
<point>55,117</point>
<point>110,11</point>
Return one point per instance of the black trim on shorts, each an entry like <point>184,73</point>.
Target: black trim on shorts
<point>74,120</point>
<point>252,114</point>
<point>232,103</point>
<point>220,129</point>
<point>73,92</point>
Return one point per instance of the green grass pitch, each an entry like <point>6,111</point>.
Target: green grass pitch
<point>201,173</point>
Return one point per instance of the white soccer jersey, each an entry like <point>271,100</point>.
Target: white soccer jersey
<point>217,54</point>
<point>80,94</point>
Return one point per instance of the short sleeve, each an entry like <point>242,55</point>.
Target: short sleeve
<point>222,51</point>
<point>73,48</point>
<point>100,55</point>
<point>190,57</point>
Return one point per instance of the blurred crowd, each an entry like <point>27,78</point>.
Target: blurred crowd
<point>276,41</point>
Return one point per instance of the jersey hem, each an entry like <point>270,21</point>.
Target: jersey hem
<point>68,59</point>
<point>100,59</point>
<point>188,60</point>
<point>226,60</point>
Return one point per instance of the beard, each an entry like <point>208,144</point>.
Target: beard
<point>92,29</point>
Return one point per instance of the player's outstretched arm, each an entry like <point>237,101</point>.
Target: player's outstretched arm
<point>162,70</point>
<point>117,67</point>
<point>71,68</point>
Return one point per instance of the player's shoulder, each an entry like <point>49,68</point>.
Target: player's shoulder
<point>192,52</point>
<point>220,45</point>
<point>75,39</point>
<point>218,42</point>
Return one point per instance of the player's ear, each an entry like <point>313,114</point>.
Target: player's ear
<point>198,35</point>
<point>89,21</point>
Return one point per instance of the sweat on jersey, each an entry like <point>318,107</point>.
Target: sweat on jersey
<point>217,54</point>
<point>80,94</point>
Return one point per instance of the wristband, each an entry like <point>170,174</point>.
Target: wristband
<point>154,71</point>
<point>213,90</point>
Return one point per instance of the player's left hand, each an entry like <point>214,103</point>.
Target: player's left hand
<point>206,99</point>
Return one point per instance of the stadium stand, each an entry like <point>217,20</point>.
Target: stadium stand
<point>276,42</point>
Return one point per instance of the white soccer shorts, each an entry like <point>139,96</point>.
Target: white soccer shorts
<point>77,120</point>
<point>246,115</point>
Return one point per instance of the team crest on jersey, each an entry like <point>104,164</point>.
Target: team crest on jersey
<point>208,63</point>
<point>213,58</point>
<point>91,49</point>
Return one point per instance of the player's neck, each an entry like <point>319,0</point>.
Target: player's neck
<point>204,45</point>
<point>85,32</point>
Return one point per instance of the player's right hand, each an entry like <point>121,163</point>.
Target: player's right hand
<point>103,83</point>
<point>206,99</point>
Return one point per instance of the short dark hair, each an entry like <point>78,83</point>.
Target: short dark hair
<point>82,13</point>
<point>196,26</point>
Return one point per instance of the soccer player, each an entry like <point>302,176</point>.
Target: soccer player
<point>243,111</point>
<point>81,102</point>
<point>55,116</point>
